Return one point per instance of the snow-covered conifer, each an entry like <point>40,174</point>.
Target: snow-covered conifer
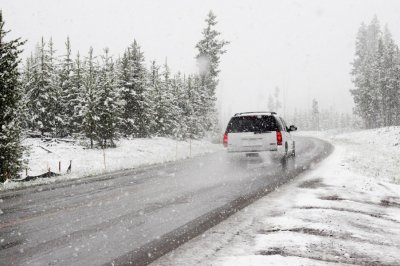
<point>165,111</point>
<point>210,48</point>
<point>27,81</point>
<point>180,105</point>
<point>172,113</point>
<point>137,105</point>
<point>107,103</point>
<point>365,74</point>
<point>196,126</point>
<point>69,95</point>
<point>43,92</point>
<point>58,124</point>
<point>10,100</point>
<point>389,79</point>
<point>90,81</point>
<point>376,76</point>
<point>78,89</point>
<point>315,115</point>
<point>125,83</point>
<point>156,93</point>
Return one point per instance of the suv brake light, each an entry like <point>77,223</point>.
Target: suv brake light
<point>225,141</point>
<point>279,137</point>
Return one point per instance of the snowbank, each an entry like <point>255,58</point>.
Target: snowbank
<point>345,211</point>
<point>374,152</point>
<point>85,162</point>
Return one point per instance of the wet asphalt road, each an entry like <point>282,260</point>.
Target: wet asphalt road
<point>135,216</point>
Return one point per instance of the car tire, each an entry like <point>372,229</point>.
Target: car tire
<point>286,150</point>
<point>283,159</point>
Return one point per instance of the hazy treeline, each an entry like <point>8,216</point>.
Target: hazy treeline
<point>324,119</point>
<point>104,98</point>
<point>376,76</point>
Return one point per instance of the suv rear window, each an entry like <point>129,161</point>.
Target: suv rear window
<point>260,123</point>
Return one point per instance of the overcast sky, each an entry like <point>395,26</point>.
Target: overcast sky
<point>303,47</point>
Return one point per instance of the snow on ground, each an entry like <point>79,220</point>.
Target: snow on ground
<point>345,211</point>
<point>86,162</point>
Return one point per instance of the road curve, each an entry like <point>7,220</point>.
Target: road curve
<point>136,216</point>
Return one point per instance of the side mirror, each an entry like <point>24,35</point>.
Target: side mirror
<point>292,128</point>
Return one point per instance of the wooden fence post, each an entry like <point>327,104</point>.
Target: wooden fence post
<point>69,167</point>
<point>104,160</point>
<point>190,147</point>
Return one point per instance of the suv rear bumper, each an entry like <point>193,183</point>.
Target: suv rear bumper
<point>277,151</point>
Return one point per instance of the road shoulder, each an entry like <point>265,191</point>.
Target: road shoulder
<point>88,164</point>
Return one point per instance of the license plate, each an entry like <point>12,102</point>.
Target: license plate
<point>251,143</point>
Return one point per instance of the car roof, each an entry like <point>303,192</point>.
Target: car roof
<point>255,113</point>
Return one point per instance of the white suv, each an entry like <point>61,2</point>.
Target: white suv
<point>255,132</point>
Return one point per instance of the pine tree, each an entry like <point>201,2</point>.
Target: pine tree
<point>10,99</point>
<point>138,101</point>
<point>69,95</point>
<point>378,86</point>
<point>171,112</point>
<point>389,79</point>
<point>125,80</point>
<point>360,95</point>
<point>192,108</point>
<point>155,93</point>
<point>89,100</point>
<point>180,103</point>
<point>315,115</point>
<point>376,76</point>
<point>43,92</point>
<point>164,112</point>
<point>78,89</point>
<point>366,95</point>
<point>396,89</point>
<point>55,93</point>
<point>132,76</point>
<point>107,104</point>
<point>27,81</point>
<point>371,73</point>
<point>210,49</point>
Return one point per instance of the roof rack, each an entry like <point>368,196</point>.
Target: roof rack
<point>272,113</point>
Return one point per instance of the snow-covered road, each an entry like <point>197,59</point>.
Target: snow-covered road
<point>345,211</point>
<point>136,215</point>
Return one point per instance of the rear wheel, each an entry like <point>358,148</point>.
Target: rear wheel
<point>286,150</point>
<point>285,156</point>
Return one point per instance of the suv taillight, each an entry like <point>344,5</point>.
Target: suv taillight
<point>225,141</point>
<point>279,138</point>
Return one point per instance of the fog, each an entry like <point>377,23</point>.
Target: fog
<point>303,47</point>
